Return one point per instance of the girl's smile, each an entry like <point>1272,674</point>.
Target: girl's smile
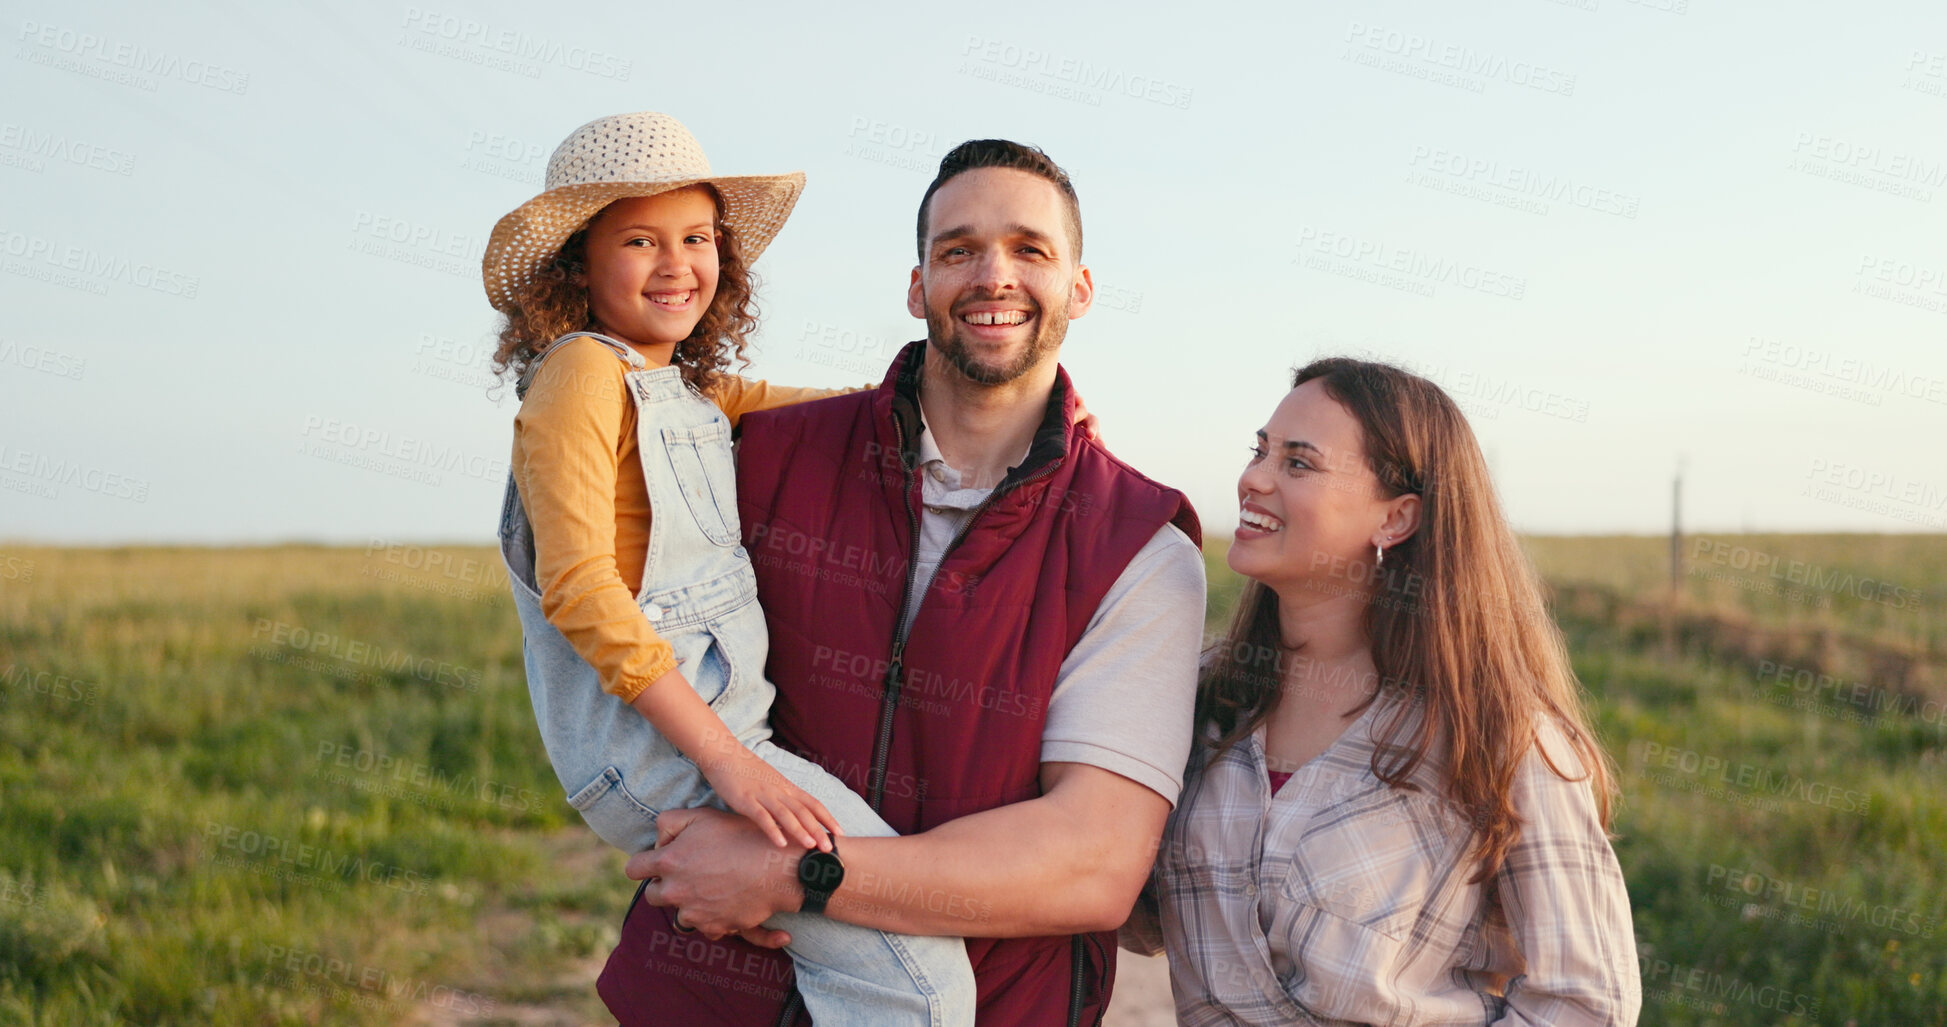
<point>653,268</point>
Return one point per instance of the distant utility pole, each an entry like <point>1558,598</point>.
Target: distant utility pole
<point>1676,565</point>
<point>1676,535</point>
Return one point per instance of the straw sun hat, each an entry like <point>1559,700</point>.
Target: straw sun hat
<point>612,158</point>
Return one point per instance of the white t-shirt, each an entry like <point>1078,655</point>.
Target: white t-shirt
<point>1124,697</point>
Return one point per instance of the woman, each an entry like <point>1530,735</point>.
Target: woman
<point>1397,813</point>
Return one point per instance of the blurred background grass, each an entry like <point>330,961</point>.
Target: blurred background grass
<point>302,785</point>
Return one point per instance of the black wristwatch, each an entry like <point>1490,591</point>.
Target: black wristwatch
<point>820,873</point>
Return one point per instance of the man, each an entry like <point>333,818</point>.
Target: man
<point>980,620</point>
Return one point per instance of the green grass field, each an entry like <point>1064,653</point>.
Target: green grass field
<point>1885,588</point>
<point>303,785</point>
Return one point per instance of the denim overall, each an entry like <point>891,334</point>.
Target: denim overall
<point>699,591</point>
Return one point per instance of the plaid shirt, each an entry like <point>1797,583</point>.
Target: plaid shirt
<point>1342,900</point>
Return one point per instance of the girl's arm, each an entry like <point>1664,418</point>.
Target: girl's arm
<point>570,428</point>
<point>747,784</point>
<point>737,396</point>
<point>1566,904</point>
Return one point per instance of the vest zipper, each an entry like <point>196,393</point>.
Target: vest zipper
<point>1079,954</point>
<point>896,669</point>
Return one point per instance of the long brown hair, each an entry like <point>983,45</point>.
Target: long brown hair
<point>551,305</point>
<point>1457,621</point>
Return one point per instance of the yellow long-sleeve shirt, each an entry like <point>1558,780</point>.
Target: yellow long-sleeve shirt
<point>580,477</point>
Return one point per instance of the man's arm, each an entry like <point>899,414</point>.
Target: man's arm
<point>1072,859</point>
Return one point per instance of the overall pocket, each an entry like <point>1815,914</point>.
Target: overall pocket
<point>614,813</point>
<point>701,657</point>
<point>706,474</point>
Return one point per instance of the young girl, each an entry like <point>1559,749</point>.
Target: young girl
<point>1397,811</point>
<point>626,292</point>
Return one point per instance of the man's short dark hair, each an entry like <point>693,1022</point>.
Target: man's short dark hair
<point>1003,153</point>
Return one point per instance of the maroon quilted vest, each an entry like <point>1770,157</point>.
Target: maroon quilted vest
<point>943,723</point>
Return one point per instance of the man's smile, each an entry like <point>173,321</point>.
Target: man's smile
<point>995,317</point>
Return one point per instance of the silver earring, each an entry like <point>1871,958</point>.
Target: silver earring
<point>1378,556</point>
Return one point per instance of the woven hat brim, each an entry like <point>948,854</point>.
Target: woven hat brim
<point>527,238</point>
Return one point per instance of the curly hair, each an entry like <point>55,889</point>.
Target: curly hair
<point>551,304</point>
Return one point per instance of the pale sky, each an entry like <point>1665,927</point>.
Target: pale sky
<point>239,248</point>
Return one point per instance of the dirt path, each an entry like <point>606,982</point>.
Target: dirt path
<point>1142,993</point>
<point>563,994</point>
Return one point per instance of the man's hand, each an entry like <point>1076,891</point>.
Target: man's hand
<point>721,873</point>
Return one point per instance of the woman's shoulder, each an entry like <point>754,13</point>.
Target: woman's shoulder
<point>1554,752</point>
<point>1553,785</point>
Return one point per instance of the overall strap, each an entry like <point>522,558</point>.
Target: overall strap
<point>627,355</point>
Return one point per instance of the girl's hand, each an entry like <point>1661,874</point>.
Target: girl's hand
<point>767,798</point>
<point>1087,423</point>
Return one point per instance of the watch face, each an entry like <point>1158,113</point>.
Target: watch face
<point>820,871</point>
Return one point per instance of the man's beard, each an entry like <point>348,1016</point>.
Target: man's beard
<point>943,334</point>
